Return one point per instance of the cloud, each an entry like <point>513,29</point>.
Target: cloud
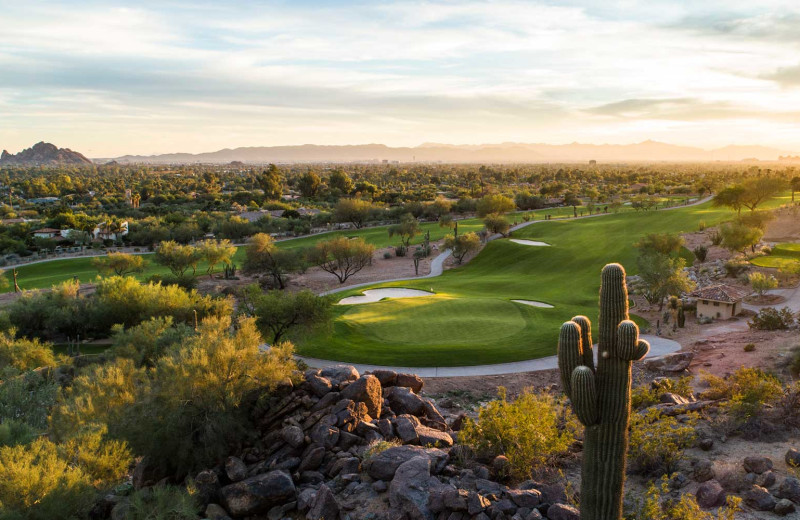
<point>785,76</point>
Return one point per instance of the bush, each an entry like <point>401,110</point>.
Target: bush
<point>657,504</point>
<point>735,267</point>
<point>24,403</point>
<point>533,431</point>
<point>771,318</point>
<point>716,237</point>
<point>747,391</point>
<point>649,394</point>
<point>387,255</point>
<point>761,282</point>
<point>750,347</point>
<point>657,442</point>
<point>700,252</point>
<point>162,503</point>
<point>22,354</point>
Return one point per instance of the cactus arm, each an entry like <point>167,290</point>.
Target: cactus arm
<point>584,395</point>
<point>570,353</point>
<point>586,340</point>
<point>642,348</point>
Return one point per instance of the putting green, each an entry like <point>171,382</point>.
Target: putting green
<point>436,319</point>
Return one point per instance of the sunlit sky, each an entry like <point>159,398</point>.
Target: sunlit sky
<point>108,78</point>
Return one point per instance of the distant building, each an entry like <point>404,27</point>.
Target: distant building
<point>104,231</point>
<point>592,163</point>
<point>719,302</point>
<point>43,200</point>
<point>47,233</point>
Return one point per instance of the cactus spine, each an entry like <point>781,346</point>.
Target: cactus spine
<point>601,396</point>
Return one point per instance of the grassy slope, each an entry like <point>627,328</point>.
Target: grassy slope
<point>432,331</point>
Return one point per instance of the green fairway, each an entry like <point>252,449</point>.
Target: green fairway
<point>472,321</point>
<point>783,256</point>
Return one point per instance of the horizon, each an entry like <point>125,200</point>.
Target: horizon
<point>109,80</point>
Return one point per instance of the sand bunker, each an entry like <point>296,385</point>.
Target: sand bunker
<point>376,295</point>
<point>529,242</point>
<point>534,303</point>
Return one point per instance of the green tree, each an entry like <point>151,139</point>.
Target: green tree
<point>24,354</point>
<point>462,245</point>
<point>278,312</point>
<point>495,204</point>
<point>760,189</point>
<point>119,264</point>
<point>406,229</point>
<point>355,211</point>
<point>341,256</point>
<point>737,236</point>
<point>732,197</point>
<point>309,184</point>
<point>216,252</point>
<point>497,223</point>
<point>340,182</point>
<point>263,256</point>
<point>762,283</point>
<point>662,243</point>
<point>661,276</point>
<point>271,181</point>
<point>177,258</point>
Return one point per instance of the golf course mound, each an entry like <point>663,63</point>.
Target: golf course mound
<point>523,242</point>
<point>376,295</point>
<point>534,303</point>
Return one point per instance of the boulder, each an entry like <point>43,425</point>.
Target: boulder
<point>562,512</point>
<point>409,489</point>
<point>216,512</point>
<point>792,458</point>
<point>406,426</point>
<point>235,469</point>
<point>703,470</point>
<point>320,386</point>
<point>476,503</point>
<point>404,401</point>
<point>759,499</point>
<point>790,489</point>
<point>672,363</point>
<point>207,485</point>
<point>757,465</point>
<point>293,436</point>
<point>412,381</point>
<point>784,507</point>
<point>670,398</point>
<point>710,494</point>
<point>312,459</point>
<point>325,506</point>
<point>338,374</point>
<point>258,494</point>
<point>384,465</point>
<point>386,377</point>
<point>432,437</point>
<point>366,389</point>
<point>529,498</point>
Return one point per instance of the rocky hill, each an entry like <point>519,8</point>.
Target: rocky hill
<point>43,154</point>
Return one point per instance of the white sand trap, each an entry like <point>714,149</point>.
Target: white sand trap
<point>376,295</point>
<point>529,242</point>
<point>534,304</point>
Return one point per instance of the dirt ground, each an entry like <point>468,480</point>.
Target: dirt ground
<point>785,227</point>
<point>703,238</point>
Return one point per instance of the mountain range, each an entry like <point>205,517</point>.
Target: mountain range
<point>43,154</point>
<point>483,153</point>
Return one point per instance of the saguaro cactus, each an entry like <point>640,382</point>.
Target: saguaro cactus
<point>601,396</point>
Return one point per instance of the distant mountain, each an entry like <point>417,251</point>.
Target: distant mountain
<point>43,154</point>
<point>483,153</point>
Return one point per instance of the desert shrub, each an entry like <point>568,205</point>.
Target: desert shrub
<point>42,480</point>
<point>400,250</point>
<point>746,392</point>
<point>22,354</point>
<point>735,267</point>
<point>788,406</point>
<point>657,504</point>
<point>750,347</point>
<point>146,342</point>
<point>387,255</point>
<point>162,503</point>
<point>716,237</point>
<point>24,403</point>
<point>761,282</point>
<point>771,318</point>
<point>532,431</point>
<point>657,442</point>
<point>378,447</point>
<point>700,252</point>
<point>61,311</point>
<point>190,408</point>
<point>648,395</point>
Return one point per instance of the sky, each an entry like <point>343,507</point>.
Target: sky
<point>108,78</point>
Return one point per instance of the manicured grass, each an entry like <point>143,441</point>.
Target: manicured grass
<point>433,331</point>
<point>787,249</point>
<point>775,262</point>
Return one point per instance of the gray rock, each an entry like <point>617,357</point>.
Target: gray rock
<point>784,507</point>
<point>534,515</point>
<point>412,381</point>
<point>792,458</point>
<point>710,494</point>
<point>759,499</point>
<point>432,437</point>
<point>670,398</point>
<point>455,499</point>
<point>757,465</point>
<point>207,484</point>
<point>312,459</point>
<point>339,374</point>
<point>476,503</point>
<point>293,436</point>
<point>706,444</point>
<point>790,489</point>
<point>319,385</point>
<point>562,512</point>
<point>216,512</point>
<point>404,401</point>
<point>703,470</point>
<point>766,479</point>
<point>409,490</point>
<point>380,486</point>
<point>258,494</point>
<point>235,469</point>
<point>525,497</point>
<point>366,389</point>
<point>386,377</point>
<point>325,506</point>
<point>325,435</point>
<point>305,499</point>
<point>384,465</point>
<point>406,426</point>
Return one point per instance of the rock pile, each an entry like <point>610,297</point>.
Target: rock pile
<point>342,445</point>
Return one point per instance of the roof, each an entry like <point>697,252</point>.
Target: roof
<point>46,230</point>
<point>719,293</point>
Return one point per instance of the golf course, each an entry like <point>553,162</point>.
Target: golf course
<point>471,320</point>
